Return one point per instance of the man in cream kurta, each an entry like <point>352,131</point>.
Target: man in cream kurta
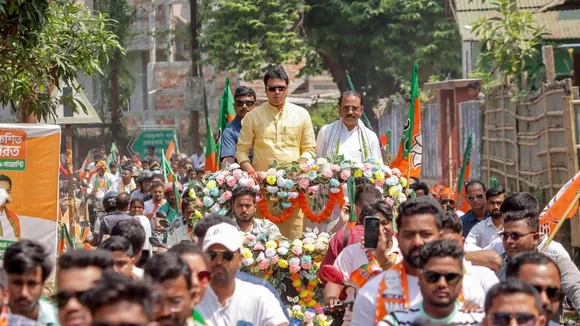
<point>277,131</point>
<point>348,136</point>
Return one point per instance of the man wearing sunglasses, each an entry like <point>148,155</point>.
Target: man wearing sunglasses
<point>475,194</point>
<point>513,302</point>
<point>348,136</point>
<point>440,278</point>
<point>231,301</point>
<point>117,300</point>
<point>542,273</point>
<point>28,266</point>
<point>173,275</point>
<point>77,272</point>
<point>244,102</point>
<point>276,131</point>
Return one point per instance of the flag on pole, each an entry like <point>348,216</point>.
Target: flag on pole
<point>170,150</point>
<point>211,164</point>
<point>113,155</point>
<point>350,87</point>
<point>227,114</point>
<point>351,190</point>
<point>88,160</point>
<point>411,140</point>
<point>462,177</point>
<point>385,139</point>
<point>166,167</point>
<point>176,143</point>
<point>557,206</point>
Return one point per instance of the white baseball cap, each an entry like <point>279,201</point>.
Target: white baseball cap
<point>224,234</point>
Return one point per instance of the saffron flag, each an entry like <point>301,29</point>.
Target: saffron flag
<point>227,114</point>
<point>350,87</point>
<point>557,206</point>
<point>171,149</point>
<point>411,141</point>
<point>462,177</point>
<point>211,164</point>
<point>88,160</point>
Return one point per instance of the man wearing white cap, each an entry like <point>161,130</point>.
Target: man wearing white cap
<point>230,301</point>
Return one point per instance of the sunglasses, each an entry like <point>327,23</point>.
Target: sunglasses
<point>98,323</point>
<point>246,103</point>
<point>515,236</point>
<point>434,277</point>
<point>478,197</point>
<point>278,88</point>
<point>349,108</point>
<point>204,276</point>
<point>553,293</point>
<point>63,297</point>
<point>225,254</point>
<point>447,202</point>
<point>504,318</point>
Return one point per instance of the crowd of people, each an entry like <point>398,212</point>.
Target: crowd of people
<point>433,263</point>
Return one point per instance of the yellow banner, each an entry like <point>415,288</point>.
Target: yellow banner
<point>29,170</point>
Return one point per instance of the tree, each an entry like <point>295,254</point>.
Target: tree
<point>507,40</point>
<point>44,45</point>
<point>377,41</point>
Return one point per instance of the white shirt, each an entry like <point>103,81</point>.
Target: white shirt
<point>350,144</point>
<point>366,301</point>
<point>354,256</point>
<point>107,178</point>
<point>147,226</point>
<point>198,161</point>
<point>554,248</point>
<point>483,233</point>
<point>126,188</point>
<point>7,229</point>
<point>485,276</point>
<point>150,209</point>
<point>250,305</point>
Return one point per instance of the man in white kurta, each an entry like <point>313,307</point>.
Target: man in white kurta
<point>348,136</point>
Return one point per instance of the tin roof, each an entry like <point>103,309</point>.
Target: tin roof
<point>474,5</point>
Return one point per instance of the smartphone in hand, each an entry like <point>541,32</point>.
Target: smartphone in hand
<point>371,231</point>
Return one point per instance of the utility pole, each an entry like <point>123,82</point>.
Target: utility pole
<point>194,115</point>
<point>114,97</point>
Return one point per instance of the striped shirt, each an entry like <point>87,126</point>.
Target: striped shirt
<point>417,313</point>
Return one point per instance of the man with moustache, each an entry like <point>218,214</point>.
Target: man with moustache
<point>419,222</point>
<point>484,232</point>
<point>244,209</point>
<point>229,300</point>
<point>277,131</point>
<point>475,194</point>
<point>348,136</point>
<point>244,102</point>
<point>6,315</point>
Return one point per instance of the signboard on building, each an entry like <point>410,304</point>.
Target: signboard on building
<point>159,138</point>
<point>194,94</point>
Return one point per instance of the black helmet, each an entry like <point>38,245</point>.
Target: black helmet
<point>110,201</point>
<point>145,175</point>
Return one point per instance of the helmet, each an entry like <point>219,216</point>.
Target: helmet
<point>145,175</point>
<point>110,201</point>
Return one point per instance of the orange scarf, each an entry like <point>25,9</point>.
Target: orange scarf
<point>4,316</point>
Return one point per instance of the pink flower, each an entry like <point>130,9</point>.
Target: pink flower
<point>390,201</point>
<point>259,247</point>
<point>198,202</point>
<point>306,265</point>
<point>258,198</point>
<point>220,179</point>
<point>227,195</point>
<point>237,174</point>
<point>294,269</point>
<point>226,173</point>
<point>305,167</point>
<point>313,189</point>
<point>327,174</point>
<point>304,183</point>
<point>367,167</point>
<point>335,167</point>
<point>297,251</point>
<point>263,175</point>
<point>379,183</point>
<point>251,183</point>
<point>397,172</point>
<point>263,264</point>
<point>345,174</point>
<point>274,260</point>
<point>232,182</point>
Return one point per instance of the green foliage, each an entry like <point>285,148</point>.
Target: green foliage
<point>377,41</point>
<point>250,36</point>
<point>507,40</point>
<point>71,40</point>
<point>323,114</point>
<point>124,14</point>
<point>20,18</point>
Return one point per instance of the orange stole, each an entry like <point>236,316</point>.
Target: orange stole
<point>14,221</point>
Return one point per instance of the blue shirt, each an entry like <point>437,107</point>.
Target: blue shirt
<point>230,139</point>
<point>469,220</point>
<point>259,281</point>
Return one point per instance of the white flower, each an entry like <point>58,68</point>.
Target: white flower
<point>280,181</point>
<point>310,235</point>
<point>308,240</point>
<point>215,208</point>
<point>335,190</point>
<point>387,170</point>
<point>282,251</point>
<point>321,161</point>
<point>243,182</point>
<point>205,192</point>
<point>234,166</point>
<point>247,261</point>
<point>320,246</point>
<point>292,195</point>
<point>392,180</point>
<point>260,257</point>
<point>270,252</point>
<point>271,189</point>
<point>296,308</point>
<point>324,235</point>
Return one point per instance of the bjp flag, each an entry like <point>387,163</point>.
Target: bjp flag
<point>557,206</point>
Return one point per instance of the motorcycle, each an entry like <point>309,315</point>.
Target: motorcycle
<point>333,275</point>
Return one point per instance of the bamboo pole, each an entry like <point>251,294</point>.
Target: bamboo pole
<point>486,139</point>
<point>503,138</point>
<point>548,154</point>
<point>561,222</point>
<point>71,194</point>
<point>450,145</point>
